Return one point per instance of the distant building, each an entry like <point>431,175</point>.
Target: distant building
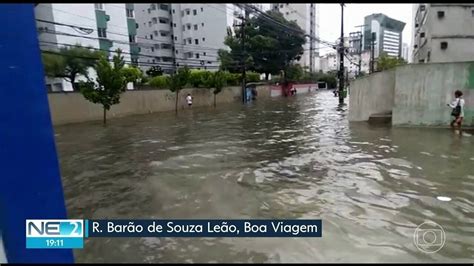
<point>307,17</point>
<point>443,33</point>
<point>405,54</point>
<point>105,27</point>
<point>388,35</point>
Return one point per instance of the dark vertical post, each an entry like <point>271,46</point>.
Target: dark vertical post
<point>242,61</point>
<point>360,53</point>
<point>372,52</point>
<point>341,59</point>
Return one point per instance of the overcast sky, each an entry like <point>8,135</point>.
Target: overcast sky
<point>330,19</point>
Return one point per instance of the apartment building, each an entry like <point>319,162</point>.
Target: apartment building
<point>388,35</point>
<point>184,34</point>
<point>104,27</point>
<point>443,33</point>
<point>307,18</point>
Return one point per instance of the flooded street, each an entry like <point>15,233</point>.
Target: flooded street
<point>296,158</point>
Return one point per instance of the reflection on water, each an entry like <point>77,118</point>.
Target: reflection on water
<point>281,158</point>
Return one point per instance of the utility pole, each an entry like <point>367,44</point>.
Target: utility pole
<point>242,60</point>
<point>311,41</point>
<point>341,59</point>
<point>372,48</point>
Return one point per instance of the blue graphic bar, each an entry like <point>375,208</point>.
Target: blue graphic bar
<point>55,242</point>
<point>205,228</point>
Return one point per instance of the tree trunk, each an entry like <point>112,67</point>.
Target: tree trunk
<point>105,116</point>
<point>176,103</point>
<point>215,100</point>
<point>73,82</point>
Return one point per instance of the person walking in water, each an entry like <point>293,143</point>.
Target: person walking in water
<point>189,100</point>
<point>458,110</point>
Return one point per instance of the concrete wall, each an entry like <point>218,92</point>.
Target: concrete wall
<point>71,107</point>
<point>423,90</point>
<point>371,95</point>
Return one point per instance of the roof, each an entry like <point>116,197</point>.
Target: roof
<point>387,21</point>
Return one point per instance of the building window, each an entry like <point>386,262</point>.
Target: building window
<point>440,14</point>
<point>190,41</point>
<point>182,13</point>
<point>174,25</point>
<point>188,11</point>
<point>163,21</point>
<point>152,49</point>
<point>146,37</point>
<point>155,32</point>
<point>287,13</point>
<point>203,39</point>
<point>153,60</point>
<point>202,9</point>
<point>422,8</point>
<point>175,38</point>
<point>416,46</point>
<point>176,51</point>
<point>472,12</point>
<point>281,6</point>
<point>164,7</point>
<point>131,38</point>
<point>154,20</point>
<point>164,34</point>
<point>196,41</point>
<point>129,13</point>
<point>184,41</point>
<point>102,32</point>
<point>99,6</point>
<point>165,46</point>
<point>422,35</point>
<point>151,36</point>
<point>149,11</point>
<point>149,23</point>
<point>153,7</point>
<point>202,24</point>
<point>189,26</point>
<point>184,28</point>
<point>197,55</point>
<point>174,11</point>
<point>195,12</point>
<point>204,53</point>
<point>416,25</point>
<point>444,45</point>
<point>195,26</point>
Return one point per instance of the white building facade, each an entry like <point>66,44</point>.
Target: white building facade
<point>104,27</point>
<point>184,34</point>
<point>443,33</point>
<point>307,18</point>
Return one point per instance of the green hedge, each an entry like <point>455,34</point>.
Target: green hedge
<point>160,82</point>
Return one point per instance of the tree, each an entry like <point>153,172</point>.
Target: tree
<point>177,81</point>
<point>70,63</point>
<point>132,74</point>
<point>111,82</point>
<point>154,71</point>
<point>218,82</point>
<point>269,47</point>
<point>385,62</point>
<point>294,73</point>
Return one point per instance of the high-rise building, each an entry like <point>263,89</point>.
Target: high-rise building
<point>184,34</point>
<point>405,52</point>
<point>443,33</point>
<point>307,18</point>
<point>104,27</point>
<point>388,35</point>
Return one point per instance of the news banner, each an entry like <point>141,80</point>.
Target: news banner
<point>69,233</point>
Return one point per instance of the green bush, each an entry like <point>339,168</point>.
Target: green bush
<point>160,82</point>
<point>200,78</point>
<point>252,77</point>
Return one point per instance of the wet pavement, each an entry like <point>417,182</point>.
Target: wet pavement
<point>280,158</point>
